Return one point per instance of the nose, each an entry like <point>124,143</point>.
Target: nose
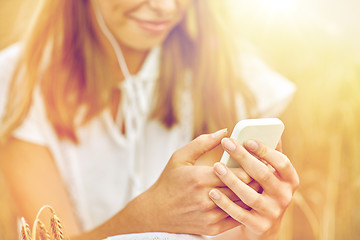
<point>163,7</point>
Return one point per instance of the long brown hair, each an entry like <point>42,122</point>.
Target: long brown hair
<point>71,78</point>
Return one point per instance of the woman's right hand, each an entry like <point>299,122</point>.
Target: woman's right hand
<point>178,201</point>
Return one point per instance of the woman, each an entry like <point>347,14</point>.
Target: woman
<point>102,96</point>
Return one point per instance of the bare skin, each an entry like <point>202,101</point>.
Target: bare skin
<point>173,204</point>
<point>278,183</point>
<point>179,199</point>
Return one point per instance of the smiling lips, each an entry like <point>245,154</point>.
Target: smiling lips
<point>156,27</point>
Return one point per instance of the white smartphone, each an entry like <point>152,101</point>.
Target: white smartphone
<point>266,130</point>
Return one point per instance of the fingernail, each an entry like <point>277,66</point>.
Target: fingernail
<point>214,194</point>
<point>220,169</point>
<point>218,133</point>
<point>252,145</point>
<point>228,144</point>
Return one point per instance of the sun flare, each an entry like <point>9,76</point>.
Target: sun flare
<point>278,6</point>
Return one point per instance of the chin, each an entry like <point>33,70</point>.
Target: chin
<point>143,42</point>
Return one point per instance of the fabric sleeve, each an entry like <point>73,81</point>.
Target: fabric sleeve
<point>35,124</point>
<point>272,91</point>
<point>8,60</point>
<point>33,127</point>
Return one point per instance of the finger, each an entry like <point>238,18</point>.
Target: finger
<point>277,160</point>
<point>249,219</point>
<point>241,174</point>
<point>229,193</point>
<point>248,195</point>
<point>199,146</point>
<point>255,168</point>
<point>256,186</point>
<point>233,197</point>
<point>204,176</point>
<point>239,214</point>
<point>242,205</point>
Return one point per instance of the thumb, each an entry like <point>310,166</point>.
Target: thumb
<point>197,147</point>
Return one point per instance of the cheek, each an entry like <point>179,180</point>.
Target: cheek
<point>113,11</point>
<point>125,30</point>
<point>113,15</point>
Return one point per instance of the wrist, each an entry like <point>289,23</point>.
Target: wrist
<point>137,216</point>
<point>133,218</point>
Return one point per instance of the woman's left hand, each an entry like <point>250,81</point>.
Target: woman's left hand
<point>277,178</point>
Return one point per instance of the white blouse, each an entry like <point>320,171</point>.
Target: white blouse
<point>107,169</point>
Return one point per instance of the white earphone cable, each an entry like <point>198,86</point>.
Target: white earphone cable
<point>133,109</point>
<point>112,40</point>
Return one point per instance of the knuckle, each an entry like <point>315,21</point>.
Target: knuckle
<point>256,202</point>
<point>284,165</point>
<point>265,227</point>
<point>262,226</point>
<point>213,218</point>
<point>196,179</point>
<point>263,151</point>
<point>242,175</point>
<point>265,176</point>
<point>240,217</point>
<point>283,198</point>
<point>205,205</point>
<point>202,176</point>
<point>286,200</point>
<point>196,182</point>
<point>192,178</point>
<point>276,213</point>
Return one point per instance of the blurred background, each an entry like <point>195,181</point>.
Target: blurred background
<point>316,45</point>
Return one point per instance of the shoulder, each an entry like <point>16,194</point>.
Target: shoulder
<point>9,56</point>
<point>31,127</point>
<point>8,60</point>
